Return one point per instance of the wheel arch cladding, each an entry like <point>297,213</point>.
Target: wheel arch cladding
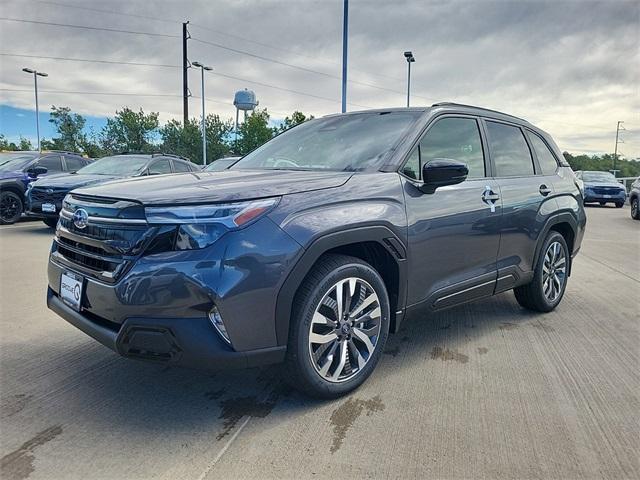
<point>376,245</point>
<point>567,226</point>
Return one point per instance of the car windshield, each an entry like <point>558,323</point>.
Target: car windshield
<point>352,142</point>
<point>121,165</point>
<point>10,162</point>
<point>598,177</point>
<point>221,164</point>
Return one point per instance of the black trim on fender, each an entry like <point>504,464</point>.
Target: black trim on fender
<point>377,233</point>
<point>564,217</point>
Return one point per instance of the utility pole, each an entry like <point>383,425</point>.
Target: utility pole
<point>185,75</point>
<point>615,153</point>
<point>345,35</point>
<point>36,74</point>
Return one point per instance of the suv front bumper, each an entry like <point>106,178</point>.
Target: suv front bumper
<point>159,309</point>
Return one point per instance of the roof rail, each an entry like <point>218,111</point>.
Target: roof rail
<point>62,151</point>
<point>170,155</point>
<point>454,104</point>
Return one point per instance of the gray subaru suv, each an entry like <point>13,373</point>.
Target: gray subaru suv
<point>316,246</point>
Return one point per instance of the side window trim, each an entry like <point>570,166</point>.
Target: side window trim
<point>494,171</point>
<point>530,132</point>
<point>488,168</point>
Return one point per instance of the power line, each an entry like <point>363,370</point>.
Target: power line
<point>224,75</point>
<point>85,27</point>
<point>209,29</point>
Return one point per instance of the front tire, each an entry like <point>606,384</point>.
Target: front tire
<point>619,204</point>
<point>546,290</point>
<point>635,209</point>
<point>11,208</point>
<point>339,327</point>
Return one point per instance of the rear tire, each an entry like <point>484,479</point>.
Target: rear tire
<point>602,204</point>
<point>619,204</point>
<point>334,345</point>
<point>50,222</point>
<point>11,208</point>
<point>546,290</point>
<point>635,209</point>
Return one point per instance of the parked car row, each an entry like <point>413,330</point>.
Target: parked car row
<point>35,183</point>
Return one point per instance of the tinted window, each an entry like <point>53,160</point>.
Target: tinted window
<point>124,165</point>
<point>509,150</point>
<point>412,167</point>
<point>546,159</point>
<point>353,142</point>
<point>74,163</point>
<point>598,177</point>
<point>456,139</point>
<point>179,166</point>
<point>52,162</point>
<point>160,166</point>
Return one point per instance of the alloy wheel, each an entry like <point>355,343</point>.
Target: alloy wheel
<point>345,329</point>
<point>9,208</point>
<point>554,271</point>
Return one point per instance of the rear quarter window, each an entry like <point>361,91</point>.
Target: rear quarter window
<point>546,159</point>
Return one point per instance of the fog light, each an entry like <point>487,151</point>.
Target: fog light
<point>216,321</point>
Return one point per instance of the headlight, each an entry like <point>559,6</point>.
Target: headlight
<point>201,225</point>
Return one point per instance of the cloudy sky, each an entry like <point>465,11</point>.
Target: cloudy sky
<point>571,67</point>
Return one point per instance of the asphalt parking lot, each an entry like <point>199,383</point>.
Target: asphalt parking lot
<point>484,390</point>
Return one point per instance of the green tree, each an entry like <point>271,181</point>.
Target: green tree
<point>254,131</point>
<point>69,127</point>
<point>187,141</point>
<point>6,145</point>
<point>130,131</point>
<point>297,117</point>
<point>626,168</point>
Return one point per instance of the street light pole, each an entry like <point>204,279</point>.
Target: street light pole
<point>410,59</point>
<point>36,74</point>
<point>202,68</point>
<point>345,40</point>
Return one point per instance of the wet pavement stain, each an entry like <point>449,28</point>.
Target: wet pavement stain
<point>482,350</point>
<point>345,415</point>
<point>233,409</point>
<point>18,464</point>
<point>508,326</point>
<point>14,404</point>
<point>448,355</point>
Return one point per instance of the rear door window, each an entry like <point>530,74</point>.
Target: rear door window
<point>509,150</point>
<point>73,163</point>
<point>53,163</point>
<point>546,159</point>
<point>160,166</point>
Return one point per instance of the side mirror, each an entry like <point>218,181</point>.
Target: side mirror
<point>442,171</point>
<point>38,170</point>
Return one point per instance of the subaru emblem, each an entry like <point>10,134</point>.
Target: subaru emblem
<point>49,191</point>
<point>80,218</point>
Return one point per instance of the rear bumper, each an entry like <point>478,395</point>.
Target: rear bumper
<point>188,342</point>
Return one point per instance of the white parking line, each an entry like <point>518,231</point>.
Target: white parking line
<point>22,225</point>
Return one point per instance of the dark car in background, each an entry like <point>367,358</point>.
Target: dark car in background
<point>221,164</point>
<point>602,188</point>
<point>44,196</point>
<point>318,244</point>
<point>634,199</point>
<point>19,169</point>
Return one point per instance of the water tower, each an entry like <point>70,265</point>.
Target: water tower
<point>244,100</point>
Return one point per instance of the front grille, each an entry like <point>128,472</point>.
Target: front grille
<point>107,246</point>
<point>607,190</point>
<point>48,195</point>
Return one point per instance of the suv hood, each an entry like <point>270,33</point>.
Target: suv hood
<point>72,181</point>
<point>11,174</point>
<point>209,187</point>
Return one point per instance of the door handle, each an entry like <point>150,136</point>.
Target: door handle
<point>490,198</point>
<point>544,190</point>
